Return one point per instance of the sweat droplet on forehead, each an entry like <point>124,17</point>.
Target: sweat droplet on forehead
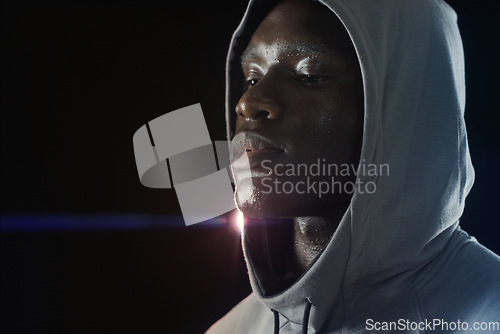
<point>279,50</point>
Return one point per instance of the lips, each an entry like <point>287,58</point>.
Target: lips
<point>256,146</point>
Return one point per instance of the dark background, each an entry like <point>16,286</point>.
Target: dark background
<point>84,247</point>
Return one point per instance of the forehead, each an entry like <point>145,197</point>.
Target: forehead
<point>299,27</point>
<point>289,48</point>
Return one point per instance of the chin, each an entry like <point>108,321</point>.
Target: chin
<point>256,204</point>
<point>260,205</point>
<point>256,198</point>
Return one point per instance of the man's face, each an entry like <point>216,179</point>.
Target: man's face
<point>303,102</point>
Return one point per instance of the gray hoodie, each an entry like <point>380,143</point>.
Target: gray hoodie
<point>398,261</point>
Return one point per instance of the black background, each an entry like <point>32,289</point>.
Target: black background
<point>77,80</point>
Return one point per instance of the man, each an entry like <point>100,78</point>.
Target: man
<point>313,89</point>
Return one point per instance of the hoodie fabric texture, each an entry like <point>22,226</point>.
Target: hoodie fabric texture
<point>398,253</point>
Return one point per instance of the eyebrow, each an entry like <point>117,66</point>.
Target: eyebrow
<point>295,48</point>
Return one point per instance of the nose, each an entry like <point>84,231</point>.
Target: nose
<point>262,100</point>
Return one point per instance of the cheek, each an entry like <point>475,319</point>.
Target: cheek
<point>320,116</point>
<point>333,123</point>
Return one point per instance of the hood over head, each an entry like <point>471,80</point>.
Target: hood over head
<point>411,59</point>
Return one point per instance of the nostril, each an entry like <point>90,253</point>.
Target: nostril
<point>239,111</point>
<point>255,116</point>
<point>263,114</point>
<point>252,107</point>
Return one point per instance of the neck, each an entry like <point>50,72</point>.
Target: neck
<point>311,235</point>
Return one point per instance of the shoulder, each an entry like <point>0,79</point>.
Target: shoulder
<point>248,316</point>
<point>467,284</point>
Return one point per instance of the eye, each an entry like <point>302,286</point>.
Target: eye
<point>308,78</point>
<point>249,83</point>
<point>252,82</point>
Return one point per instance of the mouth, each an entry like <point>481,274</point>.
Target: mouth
<point>257,147</point>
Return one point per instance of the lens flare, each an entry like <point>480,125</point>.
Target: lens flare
<point>240,220</point>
